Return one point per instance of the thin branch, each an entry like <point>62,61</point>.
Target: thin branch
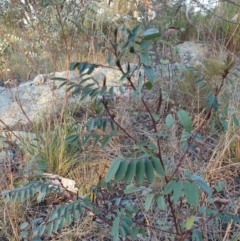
<point>115,122</point>
<point>9,129</point>
<point>159,101</point>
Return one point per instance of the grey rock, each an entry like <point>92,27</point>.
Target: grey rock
<point>2,83</point>
<point>191,52</point>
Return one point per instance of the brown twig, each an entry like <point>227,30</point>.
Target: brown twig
<point>9,129</point>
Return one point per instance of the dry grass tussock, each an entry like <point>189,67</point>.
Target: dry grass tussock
<point>11,214</point>
<point>224,161</point>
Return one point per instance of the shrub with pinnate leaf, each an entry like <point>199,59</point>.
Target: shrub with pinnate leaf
<point>183,197</point>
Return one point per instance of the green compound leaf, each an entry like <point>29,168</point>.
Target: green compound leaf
<point>185,120</point>
<point>185,136</point>
<point>212,101</point>
<point>56,226</point>
<point>62,222</point>
<point>112,125</point>
<point>229,218</point>
<point>106,141</point>
<point>202,209</point>
<point>155,116</point>
<point>72,138</point>
<point>68,218</point>
<point>161,203</point>
<point>96,141</point>
<point>91,124</point>
<point>148,201</point>
<point>39,230</point>
<point>192,193</point>
<point>169,121</point>
<point>145,59</point>
<point>139,171</point>
<point>121,171</point>
<point>23,234</point>
<point>126,227</point>
<point>142,232</point>
<point>153,146</point>
<point>198,82</point>
<point>115,228</point>
<point>134,33</point>
<point>24,225</point>
<point>86,140</point>
<point>50,229</point>
<point>177,191</point>
<point>169,187</point>
<point>127,220</point>
<point>151,33</point>
<point>42,229</point>
<point>151,75</point>
<point>79,207</point>
<point>104,125</point>
<point>149,170</point>
<point>113,169</point>
<point>122,232</point>
<point>132,189</point>
<point>103,90</point>
<point>202,184</point>
<point>130,172</point>
<point>134,233</point>
<point>146,45</point>
<point>197,235</point>
<point>111,91</point>
<point>219,186</point>
<point>157,166</point>
<point>142,143</point>
<point>73,65</point>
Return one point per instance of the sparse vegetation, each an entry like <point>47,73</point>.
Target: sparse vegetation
<point>158,160</point>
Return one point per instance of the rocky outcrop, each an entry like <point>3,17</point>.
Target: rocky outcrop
<point>23,103</point>
<point>191,53</point>
<point>30,99</point>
